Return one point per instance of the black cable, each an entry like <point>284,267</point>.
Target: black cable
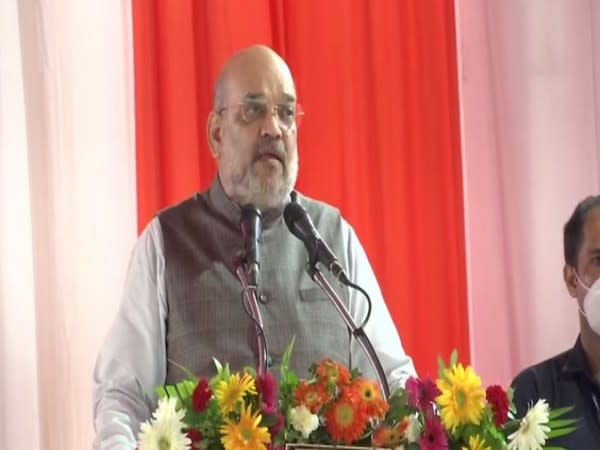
<point>370,305</point>
<point>260,332</point>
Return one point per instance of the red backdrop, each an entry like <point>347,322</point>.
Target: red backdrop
<point>380,138</point>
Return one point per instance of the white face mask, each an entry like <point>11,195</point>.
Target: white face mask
<point>591,304</point>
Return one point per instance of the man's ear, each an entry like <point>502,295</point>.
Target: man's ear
<point>570,279</point>
<point>214,133</point>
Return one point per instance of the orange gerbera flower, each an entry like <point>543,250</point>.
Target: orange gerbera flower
<point>397,433</point>
<point>388,436</point>
<point>381,436</point>
<point>311,395</point>
<point>345,421</point>
<point>331,372</point>
<point>368,395</point>
<point>402,426</point>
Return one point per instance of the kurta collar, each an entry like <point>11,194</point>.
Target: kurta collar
<point>233,212</point>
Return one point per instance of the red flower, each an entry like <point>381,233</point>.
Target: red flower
<point>267,387</point>
<point>195,436</point>
<point>345,421</point>
<point>201,395</point>
<point>498,400</point>
<point>434,437</point>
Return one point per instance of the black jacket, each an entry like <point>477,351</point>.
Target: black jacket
<point>564,380</point>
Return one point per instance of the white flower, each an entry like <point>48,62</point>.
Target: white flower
<point>164,430</point>
<point>533,430</point>
<point>413,431</point>
<point>303,420</point>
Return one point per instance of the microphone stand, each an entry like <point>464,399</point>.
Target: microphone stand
<point>358,333</point>
<point>250,293</point>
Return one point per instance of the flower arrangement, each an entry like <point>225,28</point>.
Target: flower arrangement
<point>243,411</point>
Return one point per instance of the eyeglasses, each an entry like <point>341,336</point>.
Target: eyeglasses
<point>288,114</point>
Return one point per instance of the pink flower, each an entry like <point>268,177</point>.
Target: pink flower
<point>201,395</point>
<point>275,429</point>
<point>434,437</point>
<point>421,393</point>
<point>279,419</point>
<point>267,387</point>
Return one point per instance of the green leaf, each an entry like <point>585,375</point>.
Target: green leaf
<point>561,423</point>
<point>397,407</point>
<point>185,370</point>
<point>554,413</point>
<point>511,426</point>
<point>171,390</point>
<point>289,382</point>
<point>287,355</point>
<point>189,387</point>
<point>494,438</point>
<point>161,392</point>
<point>218,365</point>
<point>268,420</point>
<point>453,358</point>
<point>251,371</point>
<point>355,374</point>
<point>441,367</point>
<point>560,432</point>
<point>510,392</point>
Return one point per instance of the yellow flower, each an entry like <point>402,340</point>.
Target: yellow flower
<point>476,443</point>
<point>245,434</point>
<point>462,399</point>
<point>232,391</point>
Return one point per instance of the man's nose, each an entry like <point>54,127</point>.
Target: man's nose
<point>271,126</point>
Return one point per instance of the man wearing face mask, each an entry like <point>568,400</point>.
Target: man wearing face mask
<point>572,378</point>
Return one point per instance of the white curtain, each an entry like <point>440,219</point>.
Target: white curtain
<point>530,106</point>
<point>67,209</point>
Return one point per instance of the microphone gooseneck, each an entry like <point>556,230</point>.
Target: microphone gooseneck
<point>248,272</point>
<point>301,226</point>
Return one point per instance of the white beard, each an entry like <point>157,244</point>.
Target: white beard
<point>248,188</point>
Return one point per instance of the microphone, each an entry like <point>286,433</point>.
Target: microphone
<point>250,225</point>
<point>301,226</point>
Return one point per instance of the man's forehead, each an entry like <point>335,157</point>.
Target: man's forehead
<point>267,77</point>
<point>591,229</point>
<point>257,84</point>
<point>262,96</point>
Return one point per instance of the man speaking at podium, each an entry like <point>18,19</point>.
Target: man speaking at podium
<point>183,304</point>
